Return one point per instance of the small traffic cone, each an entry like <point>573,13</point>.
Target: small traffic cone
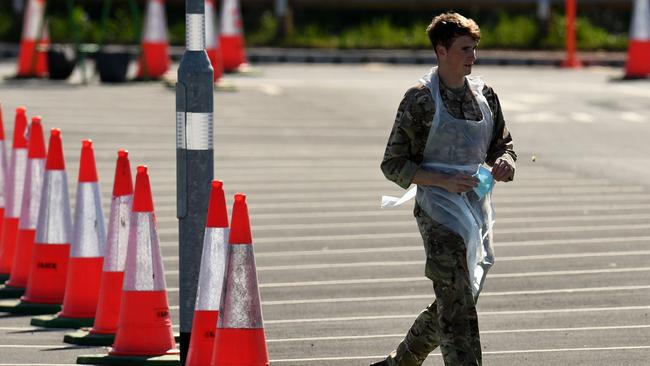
<point>144,331</point>
<point>3,175</point>
<point>110,290</point>
<point>154,61</point>
<point>212,39</point>
<point>49,265</point>
<point>32,57</point>
<point>240,339</point>
<point>232,37</point>
<point>14,189</point>
<point>86,252</point>
<point>211,277</point>
<point>36,154</point>
<point>638,52</point>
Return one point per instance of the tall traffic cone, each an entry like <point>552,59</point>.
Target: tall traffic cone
<point>638,52</point>
<point>240,339</point>
<point>32,57</point>
<point>212,39</point>
<point>86,252</point>
<point>154,61</point>
<point>3,175</point>
<point>49,265</point>
<point>232,37</point>
<point>144,331</point>
<point>36,154</point>
<point>110,290</point>
<point>211,278</point>
<point>14,189</point>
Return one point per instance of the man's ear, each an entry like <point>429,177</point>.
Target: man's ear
<point>441,50</point>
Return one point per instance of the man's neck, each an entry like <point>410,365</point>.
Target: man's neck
<point>450,80</point>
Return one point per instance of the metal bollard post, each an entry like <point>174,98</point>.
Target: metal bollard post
<point>194,160</point>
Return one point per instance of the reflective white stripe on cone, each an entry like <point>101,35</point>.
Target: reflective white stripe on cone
<point>211,279</point>
<point>32,61</point>
<point>145,327</point>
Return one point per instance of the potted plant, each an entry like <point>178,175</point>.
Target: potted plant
<point>62,53</point>
<point>115,55</point>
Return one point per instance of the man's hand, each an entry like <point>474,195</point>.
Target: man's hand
<point>502,171</point>
<point>459,183</point>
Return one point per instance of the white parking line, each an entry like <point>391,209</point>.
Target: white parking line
<point>483,313</point>
<point>504,331</point>
<point>548,350</point>
<point>430,296</point>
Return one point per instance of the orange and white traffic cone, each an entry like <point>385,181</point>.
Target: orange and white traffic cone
<point>212,39</point>
<point>638,52</point>
<point>154,61</point>
<point>49,265</point>
<point>144,331</point>
<point>36,154</point>
<point>3,176</point>
<point>232,37</point>
<point>240,339</point>
<point>32,57</point>
<point>14,189</point>
<point>110,290</point>
<point>86,251</point>
<point>211,278</point>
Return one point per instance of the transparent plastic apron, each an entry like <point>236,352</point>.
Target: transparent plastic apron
<point>458,145</point>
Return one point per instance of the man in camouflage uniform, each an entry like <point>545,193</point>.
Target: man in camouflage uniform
<point>451,321</point>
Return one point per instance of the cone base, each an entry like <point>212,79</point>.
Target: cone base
<point>4,277</point>
<point>10,292</point>
<point>28,308</point>
<point>59,321</point>
<point>103,359</point>
<point>84,337</point>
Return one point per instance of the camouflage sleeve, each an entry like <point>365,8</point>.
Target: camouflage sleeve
<point>408,137</point>
<point>501,145</point>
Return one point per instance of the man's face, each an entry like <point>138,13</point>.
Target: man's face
<point>460,57</point>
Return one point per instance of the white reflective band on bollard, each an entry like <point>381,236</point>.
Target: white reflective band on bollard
<point>195,33</point>
<point>16,183</point>
<point>33,20</point>
<point>213,268</point>
<point>32,196</point>
<point>194,131</point>
<point>155,28</point>
<point>89,237</point>
<point>240,306</point>
<point>117,238</point>
<point>54,220</point>
<point>144,270</point>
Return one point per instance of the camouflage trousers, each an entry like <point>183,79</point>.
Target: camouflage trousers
<point>450,321</point>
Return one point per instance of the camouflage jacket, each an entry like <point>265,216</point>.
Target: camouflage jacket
<point>407,140</point>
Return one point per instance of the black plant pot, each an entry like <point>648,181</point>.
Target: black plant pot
<point>113,64</point>
<point>61,61</point>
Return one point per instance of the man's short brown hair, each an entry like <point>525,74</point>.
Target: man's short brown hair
<point>446,27</point>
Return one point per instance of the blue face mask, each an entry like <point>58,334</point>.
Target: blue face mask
<point>486,182</point>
